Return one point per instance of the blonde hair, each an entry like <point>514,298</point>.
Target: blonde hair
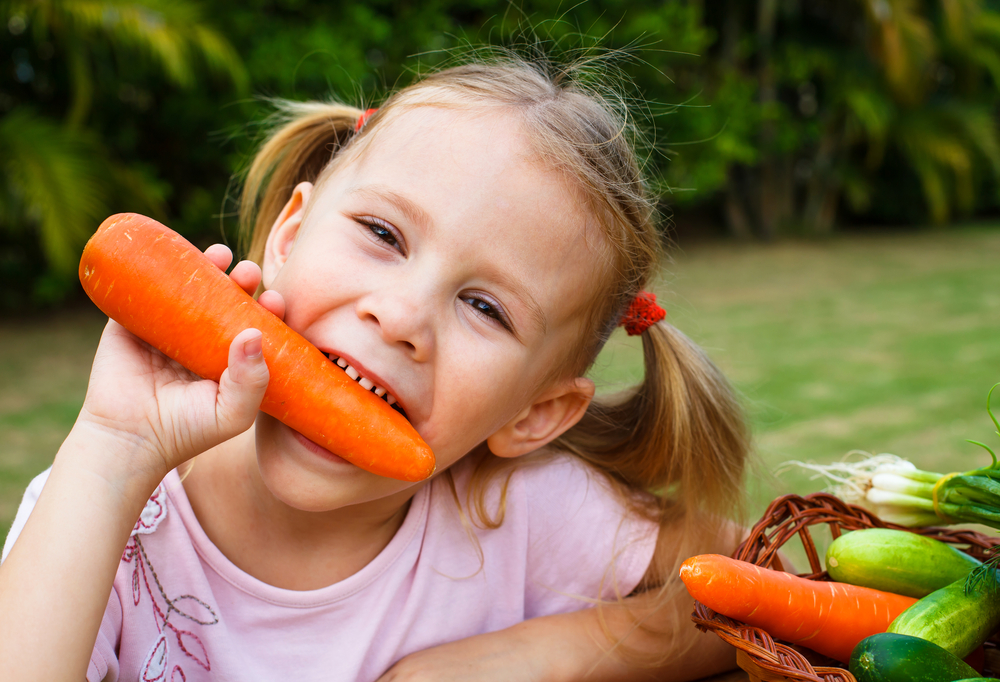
<point>680,434</point>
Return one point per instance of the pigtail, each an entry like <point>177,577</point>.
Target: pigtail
<point>680,434</point>
<point>297,151</point>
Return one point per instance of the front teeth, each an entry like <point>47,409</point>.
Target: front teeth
<point>365,382</point>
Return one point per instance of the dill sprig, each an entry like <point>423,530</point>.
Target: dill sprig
<point>985,576</point>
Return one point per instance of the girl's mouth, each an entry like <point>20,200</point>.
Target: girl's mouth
<point>366,383</point>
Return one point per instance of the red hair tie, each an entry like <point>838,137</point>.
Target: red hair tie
<point>363,118</point>
<point>642,313</point>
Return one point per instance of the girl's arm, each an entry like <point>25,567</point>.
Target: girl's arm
<point>575,646</point>
<point>143,416</point>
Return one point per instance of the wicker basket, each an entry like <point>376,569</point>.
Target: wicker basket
<point>758,654</point>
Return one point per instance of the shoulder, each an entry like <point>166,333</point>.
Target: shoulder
<point>562,490</point>
<point>554,487</point>
<point>584,536</point>
<point>565,492</point>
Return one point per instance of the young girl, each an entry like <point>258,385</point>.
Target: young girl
<point>464,252</point>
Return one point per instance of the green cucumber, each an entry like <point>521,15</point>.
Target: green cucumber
<point>890,657</point>
<point>952,619</point>
<point>896,561</point>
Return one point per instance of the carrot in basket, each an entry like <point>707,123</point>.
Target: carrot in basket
<point>164,290</point>
<point>827,617</point>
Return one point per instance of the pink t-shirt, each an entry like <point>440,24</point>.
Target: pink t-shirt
<point>181,612</point>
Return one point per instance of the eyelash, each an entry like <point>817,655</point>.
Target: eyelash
<point>383,232</point>
<point>497,315</point>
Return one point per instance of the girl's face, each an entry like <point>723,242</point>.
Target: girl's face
<point>447,265</point>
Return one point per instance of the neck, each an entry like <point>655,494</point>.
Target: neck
<point>274,542</point>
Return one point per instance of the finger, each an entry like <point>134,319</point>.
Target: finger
<point>118,336</point>
<point>274,302</point>
<point>247,275</point>
<point>220,255</point>
<point>241,388</point>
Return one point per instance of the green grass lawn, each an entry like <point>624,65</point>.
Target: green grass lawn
<point>881,343</point>
<point>44,366</point>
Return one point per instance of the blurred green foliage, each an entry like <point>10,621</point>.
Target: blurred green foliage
<point>80,79</point>
<point>770,116</point>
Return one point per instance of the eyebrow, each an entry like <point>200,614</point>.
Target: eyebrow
<point>410,210</point>
<point>414,213</point>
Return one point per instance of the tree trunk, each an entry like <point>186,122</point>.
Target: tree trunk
<point>730,38</point>
<point>823,190</point>
<point>737,210</point>
<point>827,217</point>
<point>770,203</point>
<point>737,217</point>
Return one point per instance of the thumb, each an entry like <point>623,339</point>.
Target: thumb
<point>242,385</point>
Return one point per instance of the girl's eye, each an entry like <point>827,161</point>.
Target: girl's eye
<point>381,231</point>
<point>488,310</point>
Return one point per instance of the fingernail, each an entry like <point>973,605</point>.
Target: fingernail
<point>252,348</point>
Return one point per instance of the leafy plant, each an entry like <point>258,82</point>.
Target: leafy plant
<point>57,177</point>
<point>844,85</point>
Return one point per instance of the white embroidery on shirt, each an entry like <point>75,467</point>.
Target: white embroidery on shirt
<point>152,514</point>
<point>155,664</point>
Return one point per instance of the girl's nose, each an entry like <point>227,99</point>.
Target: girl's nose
<point>403,316</point>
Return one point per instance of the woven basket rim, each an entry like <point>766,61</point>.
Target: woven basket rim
<point>785,518</point>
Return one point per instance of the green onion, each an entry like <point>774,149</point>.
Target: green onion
<point>896,491</point>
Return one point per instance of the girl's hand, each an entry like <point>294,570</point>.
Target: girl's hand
<point>160,414</point>
<point>247,274</point>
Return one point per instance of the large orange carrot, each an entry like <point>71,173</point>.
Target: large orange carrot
<point>827,617</point>
<point>164,290</point>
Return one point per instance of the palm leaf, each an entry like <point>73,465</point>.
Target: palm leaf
<point>170,33</point>
<point>947,144</point>
<point>978,127</point>
<point>55,176</point>
<point>941,160</point>
<point>905,45</point>
<point>221,56</point>
<point>987,28</point>
<point>959,18</point>
<point>871,114</point>
<point>988,58</point>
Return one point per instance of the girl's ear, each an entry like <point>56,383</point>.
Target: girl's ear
<point>284,231</point>
<point>551,415</point>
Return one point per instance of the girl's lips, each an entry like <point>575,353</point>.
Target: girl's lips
<point>366,373</point>
<point>316,448</point>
